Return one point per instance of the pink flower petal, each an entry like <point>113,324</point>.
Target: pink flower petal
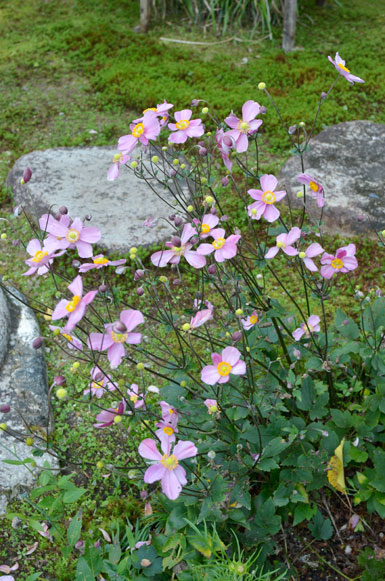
<point>268,182</point>
<point>131,318</point>
<point>170,485</point>
<point>210,375</point>
<point>231,355</point>
<point>147,449</point>
<point>185,449</point>
<point>154,472</point>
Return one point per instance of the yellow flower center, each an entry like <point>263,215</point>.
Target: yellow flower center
<point>169,462</point>
<point>68,337</point>
<point>138,130</point>
<point>72,236</point>
<point>337,263</point>
<point>243,126</point>
<point>100,260</point>
<point>281,244</point>
<point>213,409</point>
<point>253,319</point>
<point>313,186</point>
<point>96,385</point>
<point>309,329</point>
<point>118,157</point>
<point>168,430</point>
<point>118,337</point>
<point>73,304</point>
<point>170,411</point>
<point>205,228</point>
<point>149,109</point>
<point>218,243</point>
<point>178,249</point>
<point>39,255</point>
<point>302,255</point>
<point>117,419</point>
<point>268,197</point>
<point>134,398</point>
<point>343,68</point>
<point>224,368</point>
<point>183,124</point>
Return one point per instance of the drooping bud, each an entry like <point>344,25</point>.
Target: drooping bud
<point>119,327</point>
<point>212,269</point>
<point>15,242</point>
<point>236,336</point>
<point>76,263</point>
<point>5,408</point>
<point>263,110</point>
<point>60,380</point>
<point>323,95</point>
<point>102,288</point>
<point>140,291</point>
<point>37,343</point>
<point>27,175</point>
<point>213,210</point>
<point>225,181</point>
<point>176,281</point>
<point>176,241</point>
<point>194,103</point>
<point>178,221</point>
<point>202,151</point>
<point>171,217</point>
<point>138,274</point>
<point>63,210</point>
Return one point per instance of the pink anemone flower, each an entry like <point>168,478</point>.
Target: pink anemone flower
<point>250,321</point>
<point>62,235</point>
<point>316,188</point>
<point>285,243</point>
<point>100,382</point>
<point>185,128</point>
<point>343,261</point>
<point>111,416</point>
<point>265,199</point>
<point>314,250</point>
<point>100,261</point>
<point>339,64</point>
<point>167,466</point>
<point>73,342</point>
<point>201,318</point>
<point>74,309</point>
<point>173,256</point>
<point>116,335</point>
<point>225,144</point>
<point>209,221</point>
<point>312,326</point>
<point>223,365</point>
<point>241,128</point>
<point>144,131</point>
<point>118,160</point>
<point>135,397</point>
<point>169,414</point>
<point>41,258</point>
<point>160,110</point>
<point>223,248</point>
<point>212,406</point>
<point>167,430</point>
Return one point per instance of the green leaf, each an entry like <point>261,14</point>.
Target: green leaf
<point>73,494</point>
<point>114,553</point>
<point>75,528</point>
<point>33,576</point>
<point>267,464</point>
<point>266,522</point>
<point>347,327</point>
<point>241,495</point>
<point>307,396</point>
<point>176,521</point>
<point>303,512</point>
<point>321,528</point>
<point>83,571</point>
<point>358,455</point>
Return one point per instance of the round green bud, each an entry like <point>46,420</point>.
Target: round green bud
<point>56,332</point>
<point>204,181</point>
<point>183,383</point>
<point>175,162</point>
<point>227,334</point>
<point>163,278</point>
<point>117,419</point>
<point>248,349</point>
<point>5,278</point>
<point>3,236</point>
<point>208,133</point>
<point>76,364</point>
<point>205,110</point>
<point>155,159</point>
<point>22,182</point>
<point>116,156</point>
<point>29,441</point>
<point>132,256</point>
<point>131,474</point>
<point>190,208</point>
<point>3,427</point>
<point>140,366</point>
<point>133,250</point>
<point>186,326</point>
<point>99,465</point>
<point>302,255</point>
<point>302,123</point>
<point>134,164</point>
<point>164,148</point>
<point>239,312</point>
<point>209,199</point>
<point>299,195</point>
<point>183,166</point>
<point>261,86</point>
<point>61,393</point>
<point>57,295</point>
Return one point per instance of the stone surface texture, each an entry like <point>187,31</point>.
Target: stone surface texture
<point>23,386</point>
<point>4,326</point>
<point>76,178</point>
<point>348,160</point>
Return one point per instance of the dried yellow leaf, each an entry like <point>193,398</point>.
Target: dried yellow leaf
<point>335,473</point>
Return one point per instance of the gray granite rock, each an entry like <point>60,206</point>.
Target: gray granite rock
<point>4,326</point>
<point>76,178</point>
<point>348,160</point>
<point>23,386</point>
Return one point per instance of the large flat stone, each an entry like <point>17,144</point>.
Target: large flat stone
<point>4,326</point>
<point>76,178</point>
<point>23,386</point>
<point>348,160</point>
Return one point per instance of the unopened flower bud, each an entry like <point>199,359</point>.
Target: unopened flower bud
<point>134,164</point>
<point>3,236</point>
<point>261,86</point>
<point>5,408</point>
<point>212,269</point>
<point>225,181</point>
<point>176,281</point>
<point>178,221</point>
<point>140,366</point>
<point>190,208</point>
<point>119,327</point>
<point>171,217</point>
<point>205,110</point>
<point>163,279</point>
<point>155,159</point>
<point>186,326</point>
<point>209,199</point>
<point>147,509</point>
<point>60,380</point>
<point>15,242</point>
<point>213,210</point>
<point>299,195</point>
<point>202,151</point>
<point>138,274</point>
<point>29,441</point>
<point>263,110</point>
<point>211,454</point>
<point>172,173</point>
<point>102,288</point>
<point>27,175</point>
<point>323,95</point>
<point>61,393</point>
<point>37,343</point>
<point>302,123</point>
<point>182,166</point>
<point>237,336</point>
<point>3,427</point>
<point>239,312</point>
<point>176,241</point>
<point>140,291</point>
<point>194,103</point>
<point>292,129</point>
<point>175,161</point>
<point>224,218</point>
<point>76,263</point>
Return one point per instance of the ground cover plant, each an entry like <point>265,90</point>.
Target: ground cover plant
<point>268,413</point>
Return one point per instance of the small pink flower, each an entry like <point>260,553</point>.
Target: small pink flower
<point>61,235</point>
<point>173,256</point>
<point>118,160</point>
<point>312,326</point>
<point>160,110</point>
<point>223,365</point>
<point>209,221</point>
<point>135,397</point>
<point>41,258</point>
<point>45,532</point>
<point>111,416</point>
<point>343,261</point>
<point>314,250</point>
<point>100,382</point>
<point>167,429</point>
<point>225,143</point>
<point>201,318</point>
<point>150,222</point>
<point>241,128</point>
<point>212,406</point>
<point>223,248</point>
<point>169,414</point>
<point>76,308</point>
<point>285,243</point>
<point>316,188</point>
<point>144,131</point>
<point>72,341</point>
<point>167,468</point>
<point>265,199</point>
<point>185,128</point>
<point>100,261</point>
<point>250,321</point>
<point>116,335</point>
<point>341,68</point>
